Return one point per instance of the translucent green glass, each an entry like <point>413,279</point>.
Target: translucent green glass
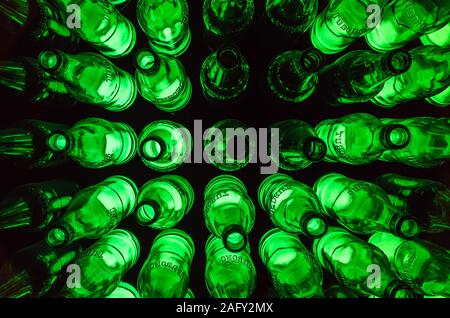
<point>164,145</point>
<point>362,207</point>
<point>294,272</point>
<point>103,265</point>
<point>166,24</point>
<point>164,201</point>
<point>338,291</point>
<point>442,99</point>
<point>162,80</point>
<point>361,138</point>
<point>165,273</point>
<point>95,211</point>
<point>92,79</point>
<point>228,274</point>
<point>440,37</point>
<point>292,16</point>
<point>423,265</point>
<point>124,290</point>
<point>229,212</point>
<point>292,205</point>
<point>189,294</point>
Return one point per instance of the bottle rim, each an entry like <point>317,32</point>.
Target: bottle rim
<point>234,238</point>
<point>311,60</point>
<point>314,225</point>
<point>50,60</point>
<point>153,63</point>
<point>398,131</point>
<point>405,226</point>
<point>57,236</point>
<point>59,141</point>
<point>147,212</point>
<point>158,141</point>
<point>314,149</point>
<point>229,56</point>
<point>398,61</point>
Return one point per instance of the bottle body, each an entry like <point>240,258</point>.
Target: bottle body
<point>442,99</point>
<point>124,290</point>
<point>440,37</point>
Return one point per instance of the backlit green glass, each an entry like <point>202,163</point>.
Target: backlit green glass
<point>162,80</point>
<point>423,265</point>
<point>338,291</point>
<point>440,37</point>
<point>124,290</point>
<point>164,145</point>
<point>291,16</point>
<point>362,207</point>
<point>165,273</point>
<point>189,294</point>
<point>292,205</point>
<point>90,78</point>
<point>229,211</point>
<point>95,211</point>
<point>294,272</point>
<point>228,274</point>
<point>361,138</point>
<point>442,99</point>
<point>164,201</point>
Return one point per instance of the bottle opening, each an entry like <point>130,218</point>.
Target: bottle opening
<point>228,57</point>
<point>56,237</point>
<point>49,60</point>
<point>316,227</point>
<point>58,142</point>
<point>399,61</point>
<point>314,149</point>
<point>146,60</point>
<point>397,136</point>
<point>408,228</point>
<point>234,238</point>
<point>312,60</point>
<point>152,149</point>
<point>147,213</point>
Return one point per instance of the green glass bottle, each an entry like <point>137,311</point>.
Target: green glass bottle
<point>95,211</point>
<point>164,201</point>
<point>103,265</point>
<point>124,290</point>
<point>442,99</point>
<point>355,264</point>
<point>166,24</point>
<point>421,264</point>
<point>164,145</point>
<point>429,145</point>
<point>359,75</point>
<point>165,273</point>
<point>96,143</point>
<point>292,205</point>
<point>25,143</point>
<point>361,138</point>
<point>224,74</point>
<point>338,291</point>
<point>228,274</point>
<point>362,207</point>
<point>406,20</point>
<point>162,80</point>
<point>32,271</point>
<point>440,37</point>
<point>92,79</point>
<point>291,16</point>
<point>299,145</point>
<point>294,272</point>
<point>433,65</point>
<point>229,212</point>
<point>427,200</point>
<point>189,294</point>
<point>101,25</point>
<point>33,206</point>
<point>344,21</point>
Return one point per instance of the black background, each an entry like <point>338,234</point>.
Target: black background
<point>257,109</point>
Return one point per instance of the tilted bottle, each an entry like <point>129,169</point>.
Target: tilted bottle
<point>95,211</point>
<point>228,274</point>
<point>124,290</point>
<point>440,37</point>
<point>162,80</point>
<point>292,16</point>
<point>164,145</point>
<point>166,24</point>
<point>423,265</point>
<point>224,74</point>
<point>163,202</point>
<point>90,78</point>
<point>33,206</point>
<point>442,99</point>
<point>292,205</point>
<point>294,271</point>
<point>229,211</point>
<point>103,265</point>
<point>427,200</point>
<point>361,138</point>
<point>362,207</point>
<point>165,273</point>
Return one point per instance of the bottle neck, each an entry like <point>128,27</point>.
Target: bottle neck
<point>404,226</point>
<point>13,75</point>
<point>313,149</point>
<point>61,235</point>
<point>234,238</point>
<point>15,212</point>
<point>310,61</point>
<point>14,282</point>
<point>394,136</point>
<point>148,212</point>
<point>226,67</point>
<point>17,143</point>
<point>148,63</point>
<point>53,62</point>
<point>153,148</point>
<point>394,63</point>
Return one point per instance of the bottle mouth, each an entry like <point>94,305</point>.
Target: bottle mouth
<point>398,61</point>
<point>50,60</point>
<point>58,141</point>
<point>234,238</point>
<point>406,227</point>
<point>57,237</point>
<point>147,212</point>
<point>311,60</point>
<point>314,149</point>
<point>314,225</point>
<point>152,148</point>
<point>147,61</point>
<point>396,136</point>
<point>229,56</point>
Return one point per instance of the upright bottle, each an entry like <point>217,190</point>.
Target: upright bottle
<point>90,78</point>
<point>164,201</point>
<point>32,206</point>
<point>104,264</point>
<point>405,20</point>
<point>433,65</point>
<point>229,212</point>
<point>442,99</point>
<point>429,145</point>
<point>361,138</point>
<point>440,37</point>
<point>124,290</point>
<point>362,207</point>
<point>95,211</point>
<point>421,264</point>
<point>359,75</point>
<point>292,16</point>
<point>162,80</point>
<point>165,273</point>
<point>292,205</point>
<point>101,25</point>
<point>224,74</point>
<point>353,262</point>
<point>294,272</point>
<point>164,145</point>
<point>228,274</point>
<point>166,24</point>
<point>344,21</point>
